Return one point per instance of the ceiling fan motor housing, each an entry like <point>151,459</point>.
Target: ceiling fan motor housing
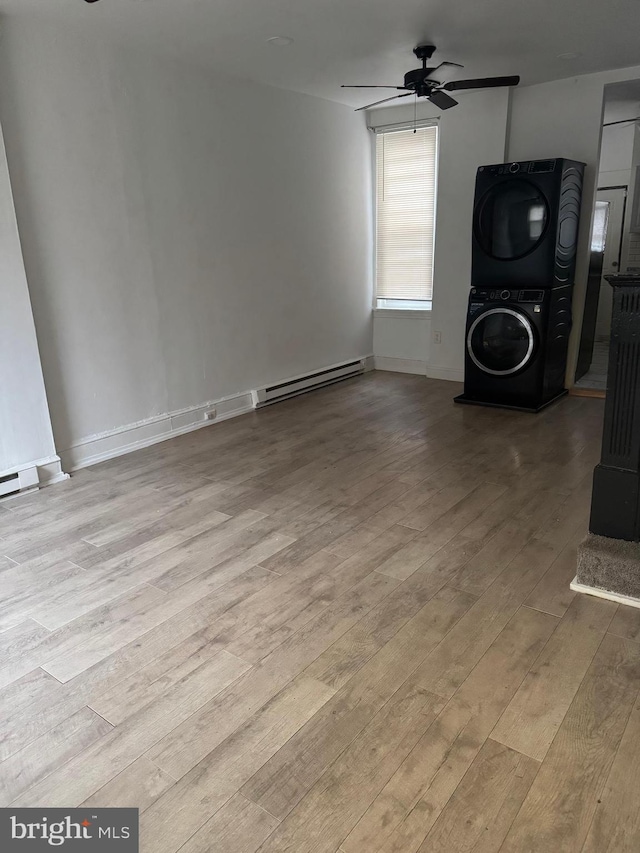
<point>419,81</point>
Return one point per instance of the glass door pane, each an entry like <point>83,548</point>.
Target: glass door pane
<point>501,341</point>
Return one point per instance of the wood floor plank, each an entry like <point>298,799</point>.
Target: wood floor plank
<point>615,827</point>
<point>341,795</point>
<point>138,786</point>
<point>406,809</point>
<point>71,654</point>
<point>78,779</point>
<point>286,778</point>
<point>485,565</point>
<point>408,559</point>
<point>483,806</point>
<point>20,650</point>
<point>36,761</point>
<point>210,784</point>
<point>447,667</point>
<point>626,623</point>
<point>560,806</point>
<point>239,827</point>
<point>346,656</point>
<point>209,616</point>
<point>133,694</point>
<point>30,707</point>
<point>535,713</point>
<point>552,593</point>
<point>189,743</point>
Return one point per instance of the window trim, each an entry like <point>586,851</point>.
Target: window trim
<point>403,313</point>
<point>385,311</point>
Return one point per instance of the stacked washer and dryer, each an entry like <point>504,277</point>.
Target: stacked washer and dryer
<point>525,232</point>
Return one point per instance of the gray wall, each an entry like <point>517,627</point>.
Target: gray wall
<point>185,237</point>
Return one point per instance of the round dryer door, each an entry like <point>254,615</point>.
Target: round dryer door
<point>501,341</point>
<point>511,219</point>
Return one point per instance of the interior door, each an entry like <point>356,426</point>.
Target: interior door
<point>606,243</point>
<point>615,200</point>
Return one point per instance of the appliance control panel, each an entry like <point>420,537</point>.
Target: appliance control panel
<point>487,294</point>
<point>531,167</point>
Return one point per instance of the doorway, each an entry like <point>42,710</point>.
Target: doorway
<point>612,237</point>
<point>606,255</point>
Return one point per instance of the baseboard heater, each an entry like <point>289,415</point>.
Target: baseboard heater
<point>308,382</point>
<point>19,481</point>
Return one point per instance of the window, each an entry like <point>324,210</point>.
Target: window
<point>600,223</point>
<point>406,161</point>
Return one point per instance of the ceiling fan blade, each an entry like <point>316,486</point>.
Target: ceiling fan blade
<point>442,100</point>
<point>384,101</point>
<point>443,72</point>
<point>481,83</point>
<point>345,86</point>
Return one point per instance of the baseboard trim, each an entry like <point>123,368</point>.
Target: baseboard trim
<point>51,472</point>
<point>618,597</point>
<point>126,439</point>
<point>450,374</point>
<point>400,365</point>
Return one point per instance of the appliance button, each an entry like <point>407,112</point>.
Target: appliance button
<point>514,167</point>
<point>506,294</point>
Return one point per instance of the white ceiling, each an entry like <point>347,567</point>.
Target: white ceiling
<point>362,41</point>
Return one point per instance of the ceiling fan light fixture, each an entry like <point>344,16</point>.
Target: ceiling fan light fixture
<point>280,41</point>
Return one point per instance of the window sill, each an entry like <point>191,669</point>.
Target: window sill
<point>403,313</point>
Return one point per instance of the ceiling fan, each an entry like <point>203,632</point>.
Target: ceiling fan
<point>434,83</point>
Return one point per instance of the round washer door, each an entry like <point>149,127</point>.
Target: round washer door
<point>501,341</point>
<point>511,219</point>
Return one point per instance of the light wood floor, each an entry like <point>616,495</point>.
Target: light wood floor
<point>343,623</point>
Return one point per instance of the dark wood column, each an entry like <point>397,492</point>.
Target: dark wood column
<point>615,505</point>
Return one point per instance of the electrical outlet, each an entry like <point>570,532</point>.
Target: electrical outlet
<point>211,415</point>
<point>437,337</point>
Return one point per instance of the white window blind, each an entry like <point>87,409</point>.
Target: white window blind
<point>405,213</point>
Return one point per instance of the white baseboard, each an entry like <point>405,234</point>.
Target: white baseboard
<point>618,597</point>
<point>117,442</point>
<point>451,374</point>
<point>400,365</point>
<point>51,472</point>
<point>34,475</point>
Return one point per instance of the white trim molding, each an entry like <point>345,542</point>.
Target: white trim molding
<point>403,313</point>
<point>31,476</point>
<point>51,471</point>
<point>126,439</point>
<point>400,365</point>
<point>451,374</point>
<point>618,597</point>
